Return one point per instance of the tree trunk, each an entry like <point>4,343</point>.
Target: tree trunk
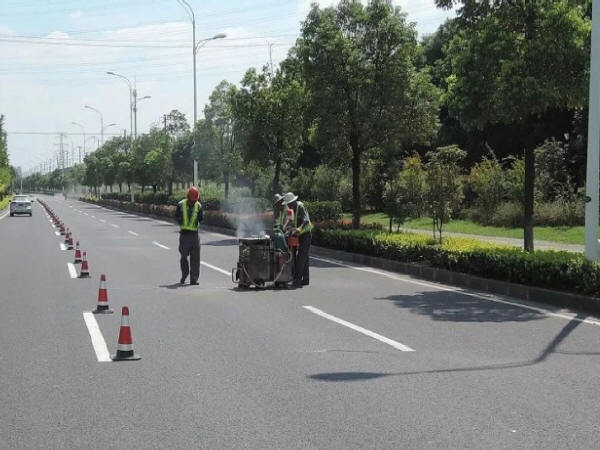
<point>355,186</point>
<point>226,181</point>
<point>529,198</point>
<point>170,187</point>
<point>390,223</point>
<point>128,187</point>
<point>120,187</point>
<point>154,188</point>
<point>276,177</point>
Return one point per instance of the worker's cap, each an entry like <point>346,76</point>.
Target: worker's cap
<point>193,194</point>
<point>277,199</point>
<point>289,198</point>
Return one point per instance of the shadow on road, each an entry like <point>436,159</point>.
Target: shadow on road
<point>174,285</point>
<point>456,307</point>
<point>547,351</point>
<point>222,243</point>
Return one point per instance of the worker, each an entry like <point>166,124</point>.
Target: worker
<point>189,216</point>
<point>302,227</point>
<point>280,212</point>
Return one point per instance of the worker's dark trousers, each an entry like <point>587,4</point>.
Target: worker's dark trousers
<point>301,266</point>
<point>189,245</point>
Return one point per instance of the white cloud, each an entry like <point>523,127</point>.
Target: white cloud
<point>76,14</point>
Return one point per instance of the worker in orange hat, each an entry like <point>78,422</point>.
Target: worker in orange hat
<point>189,216</point>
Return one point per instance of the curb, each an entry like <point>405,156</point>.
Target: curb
<point>560,299</point>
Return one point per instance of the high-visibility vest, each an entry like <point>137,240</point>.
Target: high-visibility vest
<point>308,226</point>
<point>282,217</point>
<point>190,223</point>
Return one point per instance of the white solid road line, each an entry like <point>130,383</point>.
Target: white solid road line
<point>57,233</point>
<point>114,226</point>
<point>63,247</point>
<point>218,269</point>
<point>160,245</point>
<point>97,338</point>
<point>102,220</point>
<point>93,217</point>
<point>132,232</point>
<point>488,297</point>
<point>72,270</point>
<point>395,344</point>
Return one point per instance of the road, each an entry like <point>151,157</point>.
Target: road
<point>361,358</point>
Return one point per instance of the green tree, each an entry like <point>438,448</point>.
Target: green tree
<point>487,180</point>
<point>514,61</point>
<point>5,172</point>
<point>444,185</point>
<point>359,63</point>
<point>413,178</point>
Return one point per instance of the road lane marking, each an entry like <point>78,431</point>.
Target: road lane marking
<point>132,232</point>
<point>93,217</point>
<point>57,233</point>
<point>164,223</point>
<point>97,338</point>
<point>72,270</point>
<point>114,226</point>
<point>88,215</point>
<point>102,220</point>
<point>379,337</point>
<point>218,269</point>
<point>160,245</point>
<point>63,247</point>
<point>488,297</point>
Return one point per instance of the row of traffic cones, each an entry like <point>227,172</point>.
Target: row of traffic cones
<point>125,351</point>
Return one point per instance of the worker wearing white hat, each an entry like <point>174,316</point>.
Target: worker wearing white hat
<point>302,226</point>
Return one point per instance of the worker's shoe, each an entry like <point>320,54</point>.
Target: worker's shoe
<point>182,281</point>
<point>194,283</point>
<point>297,285</point>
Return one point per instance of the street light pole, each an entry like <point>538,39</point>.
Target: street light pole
<point>195,45</point>
<point>135,102</point>
<point>131,95</point>
<point>593,151</point>
<point>101,123</point>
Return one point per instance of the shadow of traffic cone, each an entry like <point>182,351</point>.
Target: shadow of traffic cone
<point>77,254</point>
<point>125,345</point>
<point>102,307</point>
<point>84,272</point>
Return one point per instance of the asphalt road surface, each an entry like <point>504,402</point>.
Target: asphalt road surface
<point>361,358</point>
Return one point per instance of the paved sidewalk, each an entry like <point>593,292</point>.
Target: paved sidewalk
<point>539,245</point>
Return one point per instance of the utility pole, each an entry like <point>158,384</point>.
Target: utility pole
<point>592,186</point>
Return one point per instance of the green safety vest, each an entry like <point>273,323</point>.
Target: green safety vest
<point>282,217</point>
<point>308,226</point>
<point>190,223</point>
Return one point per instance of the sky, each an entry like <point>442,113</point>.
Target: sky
<point>55,54</point>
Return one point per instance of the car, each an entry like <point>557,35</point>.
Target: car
<point>20,204</point>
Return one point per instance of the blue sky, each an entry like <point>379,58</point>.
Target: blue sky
<point>44,83</point>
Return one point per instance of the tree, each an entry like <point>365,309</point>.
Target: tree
<point>5,172</point>
<point>487,180</point>
<point>444,184</point>
<point>359,63</point>
<point>219,115</point>
<point>270,110</point>
<point>414,182</point>
<point>514,61</point>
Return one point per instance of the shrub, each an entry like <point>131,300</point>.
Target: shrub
<point>324,211</point>
<point>487,181</point>
<point>509,214</point>
<point>547,269</point>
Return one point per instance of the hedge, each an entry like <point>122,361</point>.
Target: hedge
<point>324,211</point>
<point>160,198</point>
<point>546,269</point>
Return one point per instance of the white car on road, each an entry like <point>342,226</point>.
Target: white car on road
<point>20,204</point>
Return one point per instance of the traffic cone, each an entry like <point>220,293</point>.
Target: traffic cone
<point>84,272</point>
<point>67,236</point>
<point>70,243</point>
<point>77,254</point>
<point>102,307</point>
<point>125,345</point>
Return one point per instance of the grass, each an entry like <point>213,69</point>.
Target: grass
<point>565,235</point>
<point>4,203</point>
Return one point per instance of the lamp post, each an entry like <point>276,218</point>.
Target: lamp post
<point>108,126</point>
<point>135,102</point>
<point>195,46</point>
<point>593,151</point>
<point>101,123</point>
<point>83,130</point>
<point>131,95</point>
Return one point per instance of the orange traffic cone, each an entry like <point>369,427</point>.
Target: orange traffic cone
<point>102,307</point>
<point>62,229</point>
<point>70,243</point>
<point>77,254</point>
<point>67,236</point>
<point>125,345</point>
<point>84,272</point>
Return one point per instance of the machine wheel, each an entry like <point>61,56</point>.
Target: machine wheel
<point>12,215</point>
<point>30,214</point>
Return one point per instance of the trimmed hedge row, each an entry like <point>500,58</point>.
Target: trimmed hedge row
<point>160,198</point>
<point>547,269</point>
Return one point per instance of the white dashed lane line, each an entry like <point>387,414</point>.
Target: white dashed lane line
<point>132,233</point>
<point>72,270</point>
<point>114,226</point>
<point>160,245</point>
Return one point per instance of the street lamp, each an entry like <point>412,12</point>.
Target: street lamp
<point>131,94</point>
<point>136,100</point>
<point>83,130</point>
<point>109,125</point>
<point>195,46</point>
<point>101,123</point>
